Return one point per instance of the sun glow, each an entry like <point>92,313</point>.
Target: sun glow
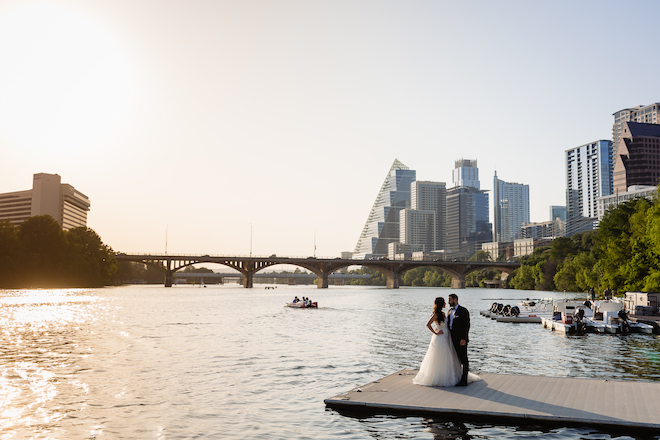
<point>64,82</point>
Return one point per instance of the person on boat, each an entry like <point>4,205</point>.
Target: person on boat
<point>295,300</point>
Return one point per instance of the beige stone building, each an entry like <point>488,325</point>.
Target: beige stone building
<point>48,196</point>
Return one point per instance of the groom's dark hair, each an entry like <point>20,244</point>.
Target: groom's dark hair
<point>453,295</point>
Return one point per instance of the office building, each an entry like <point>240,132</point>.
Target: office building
<point>637,161</point>
<point>467,212</point>
<point>499,249</point>
<point>382,225</point>
<point>526,246</point>
<point>606,202</point>
<point>588,176</point>
<point>418,228</point>
<point>558,212</point>
<point>48,196</point>
<point>431,196</point>
<point>646,114</point>
<point>550,229</point>
<point>511,209</point>
<point>402,251</point>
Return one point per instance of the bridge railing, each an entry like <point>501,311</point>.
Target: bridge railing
<point>292,257</point>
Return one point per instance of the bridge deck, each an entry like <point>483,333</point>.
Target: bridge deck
<point>562,401</point>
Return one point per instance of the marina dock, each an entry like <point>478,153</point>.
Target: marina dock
<point>504,398</point>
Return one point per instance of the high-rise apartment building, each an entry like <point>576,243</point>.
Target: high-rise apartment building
<point>48,196</point>
<point>637,161</point>
<point>382,225</point>
<point>588,176</point>
<point>511,209</point>
<point>647,114</point>
<point>467,211</point>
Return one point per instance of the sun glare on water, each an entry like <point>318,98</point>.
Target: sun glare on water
<point>64,82</point>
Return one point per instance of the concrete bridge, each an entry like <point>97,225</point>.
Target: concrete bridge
<point>291,278</point>
<point>321,267</point>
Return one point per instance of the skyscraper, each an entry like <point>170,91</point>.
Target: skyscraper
<point>382,225</point>
<point>467,211</point>
<point>647,114</point>
<point>588,176</point>
<point>637,161</point>
<point>432,196</point>
<point>511,209</point>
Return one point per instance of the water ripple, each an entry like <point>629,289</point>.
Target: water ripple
<point>147,362</point>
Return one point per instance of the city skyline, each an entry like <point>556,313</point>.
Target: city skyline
<point>265,128</point>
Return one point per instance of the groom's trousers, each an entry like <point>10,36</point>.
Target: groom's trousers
<point>461,352</point>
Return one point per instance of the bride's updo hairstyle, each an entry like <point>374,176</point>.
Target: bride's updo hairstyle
<point>438,305</point>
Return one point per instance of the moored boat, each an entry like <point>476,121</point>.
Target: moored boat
<point>525,312</point>
<point>609,316</point>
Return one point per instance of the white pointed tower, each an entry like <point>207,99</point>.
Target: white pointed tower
<point>382,226</point>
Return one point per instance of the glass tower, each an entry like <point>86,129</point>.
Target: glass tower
<point>382,226</point>
<point>647,114</point>
<point>467,212</point>
<point>511,209</point>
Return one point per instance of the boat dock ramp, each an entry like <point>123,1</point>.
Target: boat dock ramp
<point>503,398</point>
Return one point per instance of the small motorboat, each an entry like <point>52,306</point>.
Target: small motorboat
<point>524,312</point>
<point>301,305</point>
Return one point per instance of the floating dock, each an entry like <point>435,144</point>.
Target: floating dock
<point>504,398</point>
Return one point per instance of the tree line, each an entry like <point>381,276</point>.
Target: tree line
<point>39,253</point>
<point>623,254</point>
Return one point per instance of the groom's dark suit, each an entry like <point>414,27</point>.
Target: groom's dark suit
<point>459,329</point>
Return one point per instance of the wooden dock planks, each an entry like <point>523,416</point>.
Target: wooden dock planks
<point>556,400</point>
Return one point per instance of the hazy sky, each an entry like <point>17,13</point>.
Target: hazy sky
<point>219,122</point>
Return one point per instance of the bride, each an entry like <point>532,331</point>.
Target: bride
<point>440,367</point>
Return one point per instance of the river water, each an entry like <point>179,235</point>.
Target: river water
<point>148,362</point>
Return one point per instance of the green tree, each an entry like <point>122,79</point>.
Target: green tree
<point>618,237</point>
<point>90,262</point>
<point>42,256</point>
<point>414,277</point>
<point>481,256</point>
<point>9,251</point>
<point>478,277</point>
<point>522,278</point>
<point>377,278</point>
<point>436,278</point>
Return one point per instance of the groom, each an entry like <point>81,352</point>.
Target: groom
<point>459,326</point>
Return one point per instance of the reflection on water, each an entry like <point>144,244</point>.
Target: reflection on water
<point>225,362</point>
<point>41,345</point>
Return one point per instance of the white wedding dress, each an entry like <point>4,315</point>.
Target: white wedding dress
<point>441,367</point>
